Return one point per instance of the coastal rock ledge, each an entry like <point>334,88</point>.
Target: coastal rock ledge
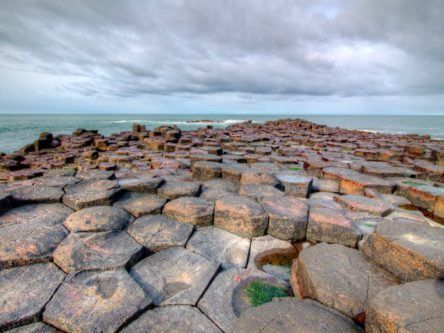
<point>285,226</point>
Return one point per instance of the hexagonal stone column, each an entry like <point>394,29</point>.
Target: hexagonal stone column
<point>174,189</point>
<point>290,315</point>
<point>98,250</point>
<point>295,184</point>
<point>24,291</point>
<point>144,185</point>
<point>331,226</point>
<point>220,246</point>
<point>174,276</point>
<point>360,203</point>
<point>99,218</point>
<point>33,328</point>
<point>203,170</point>
<point>410,307</point>
<point>192,210</point>
<point>325,271</point>
<point>411,251</point>
<point>50,214</point>
<point>140,204</point>
<point>95,302</point>
<point>170,318</point>
<point>37,194</point>
<point>241,216</point>
<point>158,232</point>
<point>287,217</point>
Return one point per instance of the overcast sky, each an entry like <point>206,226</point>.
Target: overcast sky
<point>340,56</point>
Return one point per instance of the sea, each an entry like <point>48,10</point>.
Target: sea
<point>16,130</point>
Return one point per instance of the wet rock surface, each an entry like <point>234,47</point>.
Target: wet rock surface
<point>176,216</point>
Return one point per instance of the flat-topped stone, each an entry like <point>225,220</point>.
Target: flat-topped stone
<point>325,271</point>
<point>24,291</point>
<point>98,218</point>
<point>258,191</point>
<point>192,210</point>
<point>136,184</point>
<point>174,276</point>
<point>49,214</point>
<point>158,232</point>
<point>295,183</point>
<point>254,176</point>
<point>331,226</point>
<point>361,203</point>
<point>33,328</point>
<point>411,251</point>
<point>220,246</point>
<point>413,307</point>
<point>290,315</point>
<point>172,318</point>
<point>240,215</point>
<point>140,204</point>
<point>97,250</point>
<point>288,217</point>
<point>37,194</point>
<point>203,170</point>
<point>174,189</point>
<point>95,302</point>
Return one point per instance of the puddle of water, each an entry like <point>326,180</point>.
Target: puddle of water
<point>277,262</point>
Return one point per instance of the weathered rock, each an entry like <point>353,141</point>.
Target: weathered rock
<point>140,204</point>
<point>411,251</point>
<point>48,214</point>
<point>190,210</point>
<point>340,277</point>
<point>91,192</point>
<point>410,307</point>
<point>256,177</point>
<point>99,218</point>
<point>95,302</point>
<point>173,318</point>
<point>331,226</point>
<point>203,170</point>
<point>220,246</point>
<point>145,185</point>
<point>233,172</point>
<point>174,276</point>
<point>241,216</point>
<point>37,194</point>
<point>360,203</point>
<point>290,315</point>
<point>33,328</point>
<point>24,291</point>
<point>287,217</point>
<point>99,250</point>
<point>158,232</point>
<point>259,191</point>
<point>173,189</point>
<point>295,184</point>
<point>227,297</point>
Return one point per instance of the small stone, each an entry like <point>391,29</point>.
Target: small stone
<point>140,204</point>
<point>295,184</point>
<point>158,232</point>
<point>95,302</point>
<point>173,189</point>
<point>144,185</point>
<point>174,276</point>
<point>290,315</point>
<point>37,194</point>
<point>411,251</point>
<point>190,210</point>
<point>98,250</point>
<point>241,216</point>
<point>287,217</point>
<point>331,226</point>
<point>172,318</point>
<point>24,291</point>
<point>412,307</point>
<point>359,203</point>
<point>220,246</point>
<point>99,218</point>
<point>91,192</point>
<point>203,170</point>
<point>259,191</point>
<point>256,177</point>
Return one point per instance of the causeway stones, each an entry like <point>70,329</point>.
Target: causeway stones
<point>183,318</point>
<point>192,210</point>
<point>295,184</point>
<point>24,291</point>
<point>174,189</point>
<point>258,191</point>
<point>92,301</point>
<point>340,277</point>
<point>49,214</point>
<point>158,232</point>
<point>203,170</point>
<point>240,215</point>
<point>360,203</point>
<point>145,185</point>
<point>411,251</point>
<point>92,192</point>
<point>37,194</point>
<point>413,307</point>
<point>140,204</point>
<point>220,246</point>
<point>100,250</point>
<point>33,328</point>
<point>331,226</point>
<point>99,218</point>
<point>174,276</point>
<point>287,217</point>
<point>290,315</point>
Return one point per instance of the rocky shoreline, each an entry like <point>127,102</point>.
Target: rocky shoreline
<point>286,226</point>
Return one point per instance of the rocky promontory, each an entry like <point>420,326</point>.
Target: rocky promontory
<point>285,226</point>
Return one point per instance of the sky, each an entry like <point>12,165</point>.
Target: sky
<point>200,56</point>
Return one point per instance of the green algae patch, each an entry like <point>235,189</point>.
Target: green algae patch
<point>295,169</point>
<point>260,292</point>
<point>412,183</point>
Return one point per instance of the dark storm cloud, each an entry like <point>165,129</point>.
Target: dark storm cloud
<point>293,48</point>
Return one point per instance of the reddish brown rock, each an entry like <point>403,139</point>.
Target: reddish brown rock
<point>359,203</point>
<point>174,189</point>
<point>206,170</point>
<point>190,210</point>
<point>37,194</point>
<point>99,218</point>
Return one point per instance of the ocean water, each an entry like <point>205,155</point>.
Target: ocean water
<point>16,130</point>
